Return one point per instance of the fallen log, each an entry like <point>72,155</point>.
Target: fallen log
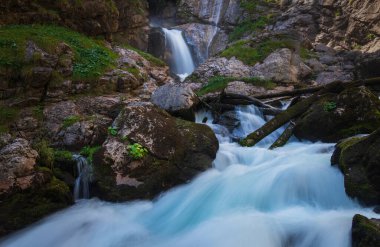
<point>284,137</point>
<point>366,82</point>
<point>287,115</point>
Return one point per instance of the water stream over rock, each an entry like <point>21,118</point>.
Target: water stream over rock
<point>180,59</point>
<point>82,182</point>
<point>290,196</point>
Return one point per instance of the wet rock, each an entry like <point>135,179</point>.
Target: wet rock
<point>358,158</point>
<point>176,99</point>
<point>177,150</point>
<point>228,119</point>
<point>353,111</point>
<point>365,232</point>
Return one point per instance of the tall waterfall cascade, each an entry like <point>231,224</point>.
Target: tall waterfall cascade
<point>82,182</point>
<point>286,197</point>
<point>180,59</point>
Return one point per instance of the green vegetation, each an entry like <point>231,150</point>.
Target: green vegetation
<point>249,27</point>
<point>370,36</point>
<point>137,151</point>
<point>91,58</point>
<point>71,120</point>
<point>7,116</point>
<point>251,5</point>
<point>112,130</point>
<point>251,53</point>
<point>329,106</point>
<point>45,154</point>
<point>89,152</point>
<point>152,59</point>
<point>218,83</point>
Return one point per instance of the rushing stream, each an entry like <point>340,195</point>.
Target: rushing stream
<point>288,197</point>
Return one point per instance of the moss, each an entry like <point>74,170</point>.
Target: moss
<point>365,233</point>
<point>250,53</point>
<point>71,120</point>
<point>26,207</point>
<point>89,152</point>
<point>152,59</point>
<point>249,27</point>
<point>7,116</point>
<point>45,154</point>
<point>219,83</point>
<point>91,58</point>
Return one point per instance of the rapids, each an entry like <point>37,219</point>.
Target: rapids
<point>289,197</point>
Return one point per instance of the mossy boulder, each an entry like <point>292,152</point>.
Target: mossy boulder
<point>359,160</point>
<point>176,151</point>
<point>365,232</point>
<point>336,116</point>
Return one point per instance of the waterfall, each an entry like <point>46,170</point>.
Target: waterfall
<point>180,60</point>
<point>286,197</point>
<point>82,182</point>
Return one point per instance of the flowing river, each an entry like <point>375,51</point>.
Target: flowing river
<point>288,197</point>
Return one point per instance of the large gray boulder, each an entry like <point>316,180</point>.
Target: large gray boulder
<point>177,99</point>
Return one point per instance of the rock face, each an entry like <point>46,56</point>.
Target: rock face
<point>177,150</point>
<point>17,160</point>
<point>359,160</point>
<point>27,192</point>
<point>282,66</point>
<point>365,232</point>
<point>353,111</point>
<point>127,19</point>
<point>176,99</point>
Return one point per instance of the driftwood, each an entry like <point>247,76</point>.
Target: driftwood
<point>289,114</point>
<point>284,137</point>
<point>297,92</point>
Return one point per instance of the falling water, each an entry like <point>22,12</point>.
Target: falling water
<point>253,196</point>
<point>180,59</point>
<point>82,182</point>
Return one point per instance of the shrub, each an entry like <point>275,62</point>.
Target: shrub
<point>89,152</point>
<point>137,151</point>
<point>329,106</point>
<point>46,154</point>
<point>112,130</point>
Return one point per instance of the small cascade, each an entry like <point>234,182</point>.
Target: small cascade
<point>180,59</point>
<point>82,182</point>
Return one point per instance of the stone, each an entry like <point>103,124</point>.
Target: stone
<point>358,158</point>
<point>177,99</point>
<point>334,117</point>
<point>177,150</point>
<point>365,232</point>
<point>17,163</point>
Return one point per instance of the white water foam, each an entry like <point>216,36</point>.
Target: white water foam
<point>287,197</point>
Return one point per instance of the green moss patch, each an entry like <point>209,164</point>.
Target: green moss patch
<point>152,59</point>
<point>91,57</point>
<point>219,83</point>
<point>249,27</point>
<point>250,53</point>
<point>7,116</point>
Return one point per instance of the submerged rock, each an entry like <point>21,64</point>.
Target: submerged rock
<point>365,232</point>
<point>175,152</point>
<point>359,160</point>
<point>334,117</point>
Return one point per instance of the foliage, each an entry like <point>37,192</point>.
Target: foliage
<point>46,154</point>
<point>91,58</point>
<point>89,152</point>
<point>112,130</point>
<point>63,155</point>
<point>137,151</point>
<point>7,116</point>
<point>248,27</point>
<point>218,83</point>
<point>251,53</point>
<point>329,106</point>
<point>71,120</point>
<point>152,59</point>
